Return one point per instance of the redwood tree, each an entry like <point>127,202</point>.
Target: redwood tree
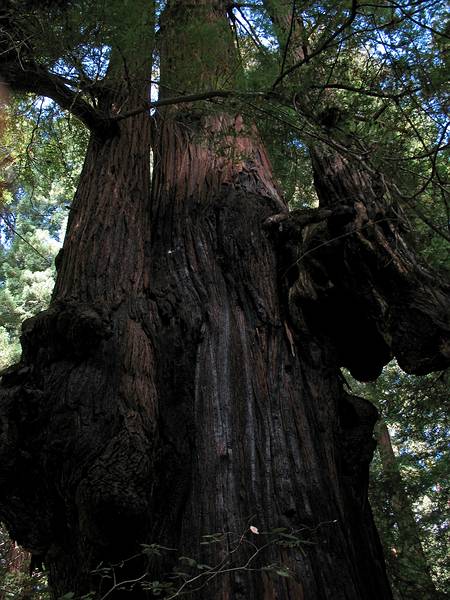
<point>185,380</point>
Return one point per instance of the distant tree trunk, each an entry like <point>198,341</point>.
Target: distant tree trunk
<point>14,570</point>
<point>170,391</point>
<point>13,558</point>
<point>411,571</point>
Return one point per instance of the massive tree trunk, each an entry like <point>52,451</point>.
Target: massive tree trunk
<point>168,393</point>
<point>257,428</point>
<point>79,411</point>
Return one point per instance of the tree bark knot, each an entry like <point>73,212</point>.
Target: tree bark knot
<point>348,273</point>
<point>67,329</point>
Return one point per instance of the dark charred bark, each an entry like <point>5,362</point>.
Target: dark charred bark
<point>105,447</point>
<point>79,411</point>
<point>256,424</point>
<point>377,299</point>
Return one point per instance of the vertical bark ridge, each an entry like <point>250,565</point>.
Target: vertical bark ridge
<point>239,400</point>
<point>79,412</point>
<point>169,393</point>
<point>253,415</point>
<point>409,558</point>
<point>104,247</point>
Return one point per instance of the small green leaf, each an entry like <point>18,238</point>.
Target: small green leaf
<point>189,561</point>
<point>277,530</point>
<point>282,572</point>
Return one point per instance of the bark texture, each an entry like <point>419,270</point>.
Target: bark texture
<point>177,386</point>
<point>256,423</point>
<point>78,414</point>
<point>163,413</point>
<point>378,300</point>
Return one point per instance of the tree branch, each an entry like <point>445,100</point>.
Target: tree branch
<point>289,37</point>
<point>33,78</point>
<point>365,91</point>
<point>321,47</point>
<point>208,95</point>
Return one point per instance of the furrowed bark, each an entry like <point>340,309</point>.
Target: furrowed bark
<point>170,391</point>
<point>359,279</point>
<point>257,429</point>
<point>79,412</point>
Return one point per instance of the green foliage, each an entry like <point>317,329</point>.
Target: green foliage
<point>383,69</point>
<point>75,37</point>
<point>15,581</point>
<point>26,283</point>
<point>248,551</point>
<point>44,155</point>
<point>416,412</point>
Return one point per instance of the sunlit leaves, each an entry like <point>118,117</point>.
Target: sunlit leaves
<point>416,412</point>
<point>44,155</point>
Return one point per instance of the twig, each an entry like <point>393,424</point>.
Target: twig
<point>11,228</point>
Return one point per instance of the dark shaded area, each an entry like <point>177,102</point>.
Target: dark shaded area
<point>359,282</point>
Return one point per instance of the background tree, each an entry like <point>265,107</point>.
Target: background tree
<point>42,154</point>
<point>185,378</point>
<point>15,578</point>
<point>408,484</point>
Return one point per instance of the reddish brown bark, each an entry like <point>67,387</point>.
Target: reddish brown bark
<point>76,468</point>
<point>79,411</point>
<point>243,401</point>
<point>240,402</point>
<point>168,392</point>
